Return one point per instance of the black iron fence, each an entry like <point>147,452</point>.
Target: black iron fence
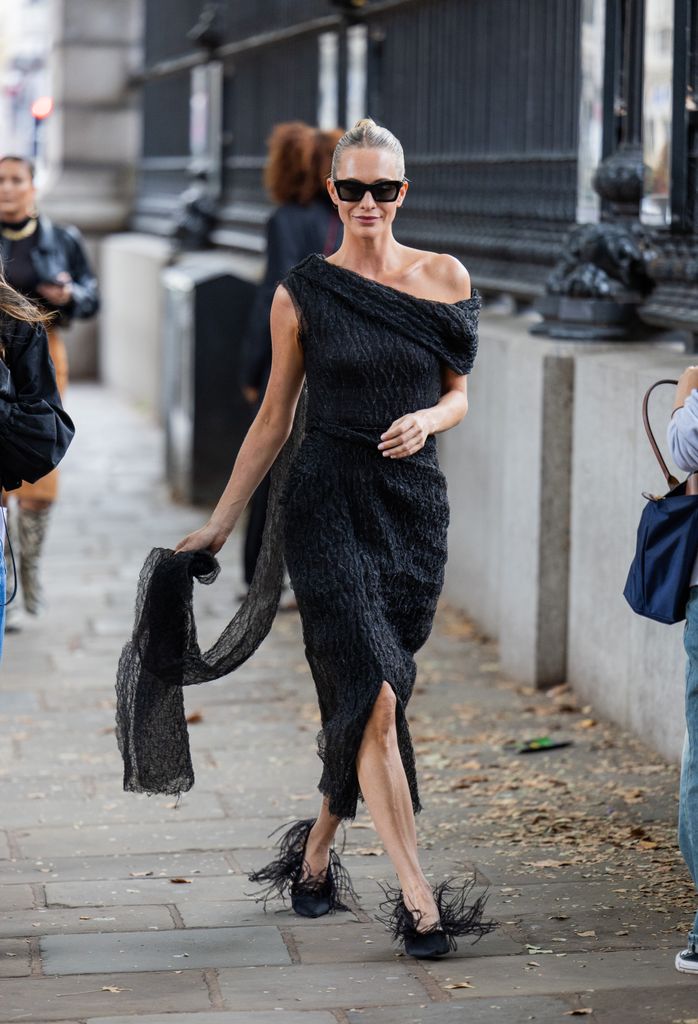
<point>484,94</point>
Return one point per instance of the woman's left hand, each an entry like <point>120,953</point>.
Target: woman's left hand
<point>405,436</point>
<point>60,293</point>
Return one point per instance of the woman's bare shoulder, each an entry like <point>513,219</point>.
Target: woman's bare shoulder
<point>283,305</point>
<point>448,275</point>
<point>441,274</point>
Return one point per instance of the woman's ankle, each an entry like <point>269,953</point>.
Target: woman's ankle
<point>419,900</point>
<point>316,855</point>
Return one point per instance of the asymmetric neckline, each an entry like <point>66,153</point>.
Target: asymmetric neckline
<point>475,296</point>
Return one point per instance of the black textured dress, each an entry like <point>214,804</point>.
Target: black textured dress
<point>363,535</point>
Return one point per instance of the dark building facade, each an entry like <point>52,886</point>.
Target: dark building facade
<point>505,109</point>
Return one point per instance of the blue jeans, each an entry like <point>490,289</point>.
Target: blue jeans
<point>2,597</point>
<point>688,790</point>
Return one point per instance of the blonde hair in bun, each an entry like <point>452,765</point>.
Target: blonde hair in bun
<point>366,134</point>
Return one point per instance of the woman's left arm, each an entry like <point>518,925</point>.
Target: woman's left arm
<point>84,298</point>
<point>409,433</point>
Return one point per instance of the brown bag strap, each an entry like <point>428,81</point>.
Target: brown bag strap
<point>670,479</point>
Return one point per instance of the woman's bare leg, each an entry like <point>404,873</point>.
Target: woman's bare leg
<point>386,792</point>
<point>317,847</point>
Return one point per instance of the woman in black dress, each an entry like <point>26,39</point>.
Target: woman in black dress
<point>384,336</point>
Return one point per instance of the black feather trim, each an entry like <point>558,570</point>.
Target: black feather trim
<point>282,876</point>
<point>457,916</point>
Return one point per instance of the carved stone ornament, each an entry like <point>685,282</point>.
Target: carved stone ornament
<point>603,274</point>
<point>620,178</point>
<point>602,261</point>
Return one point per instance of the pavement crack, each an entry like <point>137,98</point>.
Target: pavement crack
<point>13,846</point>
<point>214,989</point>
<point>35,965</point>
<point>289,940</point>
<point>39,895</point>
<point>174,913</point>
<point>434,990</point>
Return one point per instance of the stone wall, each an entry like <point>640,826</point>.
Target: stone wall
<point>93,136</point>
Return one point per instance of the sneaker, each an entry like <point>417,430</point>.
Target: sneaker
<point>16,619</point>
<point>687,962</point>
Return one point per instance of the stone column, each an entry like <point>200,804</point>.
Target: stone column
<point>93,137</point>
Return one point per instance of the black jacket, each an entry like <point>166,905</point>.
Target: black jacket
<point>293,232</point>
<point>35,430</point>
<point>62,250</point>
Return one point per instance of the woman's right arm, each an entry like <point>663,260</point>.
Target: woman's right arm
<point>682,433</point>
<point>268,433</point>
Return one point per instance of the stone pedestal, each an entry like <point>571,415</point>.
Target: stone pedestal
<point>132,317</point>
<point>510,474</point>
<point>93,137</point>
<point>508,468</point>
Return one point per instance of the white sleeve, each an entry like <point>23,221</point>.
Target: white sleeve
<point>682,434</point>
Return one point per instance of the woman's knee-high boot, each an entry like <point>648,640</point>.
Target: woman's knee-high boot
<point>32,533</point>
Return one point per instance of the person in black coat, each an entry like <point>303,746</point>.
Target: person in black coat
<point>35,429</point>
<point>303,222</point>
<point>48,264</point>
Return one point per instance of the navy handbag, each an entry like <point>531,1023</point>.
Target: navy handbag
<point>667,543</point>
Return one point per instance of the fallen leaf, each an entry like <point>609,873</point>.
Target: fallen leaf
<point>140,874</point>
<point>587,935</point>
<point>547,863</point>
<point>586,1012</point>
<point>181,881</point>
<point>586,723</point>
<point>195,717</point>
<point>114,988</point>
<point>368,851</point>
<point>624,932</point>
<point>459,984</point>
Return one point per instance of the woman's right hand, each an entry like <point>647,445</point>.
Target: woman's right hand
<point>209,538</point>
<point>688,381</point>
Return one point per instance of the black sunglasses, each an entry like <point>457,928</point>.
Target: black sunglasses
<point>350,190</point>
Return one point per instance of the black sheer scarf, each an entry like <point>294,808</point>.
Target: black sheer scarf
<point>163,654</point>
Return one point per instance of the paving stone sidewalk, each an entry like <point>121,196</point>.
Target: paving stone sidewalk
<point>117,908</point>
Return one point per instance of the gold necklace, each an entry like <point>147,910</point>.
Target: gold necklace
<point>17,234</point>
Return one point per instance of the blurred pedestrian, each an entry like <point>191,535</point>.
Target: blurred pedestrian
<point>304,222</point>
<point>35,431</point>
<point>46,263</point>
<point>683,443</point>
<point>384,335</point>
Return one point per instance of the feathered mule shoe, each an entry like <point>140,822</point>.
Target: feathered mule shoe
<point>456,917</point>
<point>310,897</point>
